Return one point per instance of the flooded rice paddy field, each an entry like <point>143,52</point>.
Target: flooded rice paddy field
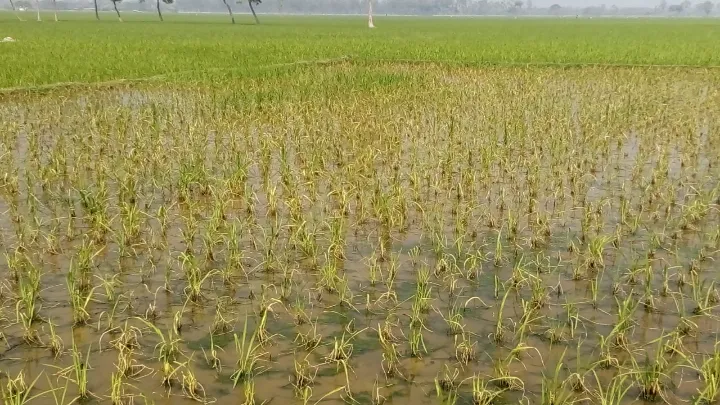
<point>381,233</point>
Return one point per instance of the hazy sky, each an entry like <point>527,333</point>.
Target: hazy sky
<point>585,3</point>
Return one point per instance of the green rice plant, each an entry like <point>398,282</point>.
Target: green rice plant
<point>482,392</point>
<point>248,356</point>
<point>17,392</point>
<point>606,358</point>
<point>131,222</point>
<point>651,375</point>
<point>374,269</point>
<point>342,348</point>
<point>306,395</point>
<point>194,277</point>
<point>500,333</point>
<point>309,340</point>
<point>110,284</point>
<point>705,298</point>
<point>26,310</point>
<point>16,263</point>
<point>220,324</point>
<point>190,386</point>
<point>417,342</point>
<point>499,255</point>
<point>117,388</point>
<point>305,240</point>
<point>303,378</point>
<point>390,354</point>
<point>501,369</point>
<point>127,365</point>
<point>465,351</point>
<point>80,298</point>
<point>446,385</point>
<point>572,317</point>
<point>613,393</point>
<point>709,372</point>
<point>168,348</point>
<point>554,388</point>
<point>77,373</point>
<point>329,277</point>
<point>81,266</point>
<point>596,249</point>
<point>211,356</point>
<point>454,320</point>
<point>624,325</point>
<point>169,373</point>
<point>28,281</point>
<point>249,392</point>
<point>540,294</point>
<point>55,343</point>
<point>60,395</point>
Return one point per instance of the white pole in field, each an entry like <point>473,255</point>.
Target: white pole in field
<point>370,20</point>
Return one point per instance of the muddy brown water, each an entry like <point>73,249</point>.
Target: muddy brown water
<point>573,147</point>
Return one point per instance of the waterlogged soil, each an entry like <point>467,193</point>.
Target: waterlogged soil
<point>539,202</point>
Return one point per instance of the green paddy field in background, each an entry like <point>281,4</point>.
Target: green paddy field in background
<point>79,48</point>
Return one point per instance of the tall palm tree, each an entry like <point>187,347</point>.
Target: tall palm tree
<point>232,17</point>
<point>12,4</point>
<point>115,3</point>
<point>157,5</point>
<point>250,3</point>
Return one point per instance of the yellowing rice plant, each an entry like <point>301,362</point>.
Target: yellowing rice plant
<point>364,231</point>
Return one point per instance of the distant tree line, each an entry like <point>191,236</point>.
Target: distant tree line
<point>391,7</point>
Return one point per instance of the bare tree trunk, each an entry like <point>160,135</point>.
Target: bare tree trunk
<point>12,4</point>
<point>232,17</point>
<point>97,15</point>
<point>37,5</point>
<point>55,9</point>
<point>253,11</point>
<point>116,10</point>
<point>157,4</point>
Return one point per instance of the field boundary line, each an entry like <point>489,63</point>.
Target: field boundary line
<point>164,76</point>
<point>534,64</point>
<point>344,58</point>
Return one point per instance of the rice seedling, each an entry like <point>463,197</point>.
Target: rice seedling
<point>60,395</point>
<point>416,342</point>
<point>651,376</point>
<point>709,372</point>
<point>447,384</point>
<point>465,351</point>
<point>501,369</point>
<point>248,353</point>
<point>190,385</point>
<point>390,354</point>
<point>17,392</point>
<point>554,387</point>
<point>614,393</point>
<point>500,333</point>
<point>77,373</point>
<point>211,355</point>
<point>55,343</point>
<point>482,392</point>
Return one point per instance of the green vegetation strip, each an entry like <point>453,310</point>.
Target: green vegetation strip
<point>169,76</point>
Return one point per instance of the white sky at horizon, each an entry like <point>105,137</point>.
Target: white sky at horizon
<point>619,3</point>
